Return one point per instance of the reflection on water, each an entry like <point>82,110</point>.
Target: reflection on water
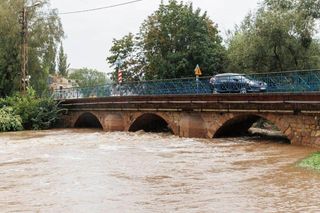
<point>89,171</point>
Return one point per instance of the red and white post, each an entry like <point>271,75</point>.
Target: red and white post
<point>120,76</point>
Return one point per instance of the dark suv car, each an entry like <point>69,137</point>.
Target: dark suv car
<point>233,82</point>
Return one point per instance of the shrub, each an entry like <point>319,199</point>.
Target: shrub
<point>36,113</point>
<point>47,113</point>
<point>9,121</point>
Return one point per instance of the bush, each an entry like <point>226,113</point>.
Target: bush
<point>47,113</point>
<point>9,121</point>
<point>36,113</point>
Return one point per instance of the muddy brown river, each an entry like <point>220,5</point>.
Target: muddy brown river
<point>94,171</point>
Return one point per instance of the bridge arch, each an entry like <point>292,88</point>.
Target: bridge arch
<point>238,125</point>
<point>151,122</point>
<point>88,120</point>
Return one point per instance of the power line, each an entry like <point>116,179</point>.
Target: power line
<point>100,8</point>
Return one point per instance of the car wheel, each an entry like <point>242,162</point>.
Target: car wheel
<point>243,90</point>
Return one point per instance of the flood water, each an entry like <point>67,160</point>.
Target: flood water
<point>93,171</point>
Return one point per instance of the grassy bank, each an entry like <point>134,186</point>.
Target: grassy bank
<point>312,162</point>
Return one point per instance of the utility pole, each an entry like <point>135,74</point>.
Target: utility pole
<point>25,78</point>
<point>24,50</point>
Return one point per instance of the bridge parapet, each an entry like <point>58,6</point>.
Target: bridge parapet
<point>281,102</point>
<point>288,82</point>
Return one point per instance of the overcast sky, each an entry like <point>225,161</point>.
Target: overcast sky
<point>89,35</point>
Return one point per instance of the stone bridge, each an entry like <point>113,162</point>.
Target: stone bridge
<point>297,116</point>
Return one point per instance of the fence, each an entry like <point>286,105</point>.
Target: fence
<point>291,82</point>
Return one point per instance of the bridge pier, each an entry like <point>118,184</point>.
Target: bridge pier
<point>192,125</point>
<point>113,122</point>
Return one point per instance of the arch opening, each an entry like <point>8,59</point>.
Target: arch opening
<point>88,120</point>
<point>253,126</point>
<point>150,123</point>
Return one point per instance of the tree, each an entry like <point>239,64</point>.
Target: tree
<point>63,65</point>
<point>49,60</point>
<point>176,38</point>
<point>88,77</point>
<point>9,48</point>
<point>171,42</point>
<point>45,33</point>
<point>279,36</point>
<point>128,51</point>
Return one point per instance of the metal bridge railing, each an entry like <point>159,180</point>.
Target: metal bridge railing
<point>291,82</point>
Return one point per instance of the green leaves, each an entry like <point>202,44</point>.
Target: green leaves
<point>44,34</point>
<point>88,77</point>
<point>63,65</point>
<point>280,36</point>
<point>47,113</point>
<point>128,51</point>
<point>180,38</point>
<point>171,42</point>
<point>312,162</point>
<point>28,112</point>
<point>9,121</point>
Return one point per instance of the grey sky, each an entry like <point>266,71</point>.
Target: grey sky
<point>89,35</point>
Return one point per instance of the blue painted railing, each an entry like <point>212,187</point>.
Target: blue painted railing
<point>291,82</point>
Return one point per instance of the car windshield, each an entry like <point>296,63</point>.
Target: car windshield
<point>238,78</point>
<point>234,77</point>
<point>249,78</point>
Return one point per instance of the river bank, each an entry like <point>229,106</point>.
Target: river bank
<point>28,112</point>
<point>311,162</point>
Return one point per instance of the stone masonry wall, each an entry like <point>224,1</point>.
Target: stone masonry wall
<point>301,129</point>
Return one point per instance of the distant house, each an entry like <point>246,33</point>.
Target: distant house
<point>58,83</point>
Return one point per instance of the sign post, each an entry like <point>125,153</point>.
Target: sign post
<point>197,72</point>
<point>119,76</point>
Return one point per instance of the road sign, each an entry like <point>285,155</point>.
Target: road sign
<point>120,76</point>
<point>197,71</point>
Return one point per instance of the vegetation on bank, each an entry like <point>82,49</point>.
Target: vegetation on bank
<point>86,77</point>
<point>45,35</point>
<point>279,35</point>
<point>9,121</point>
<point>312,162</point>
<point>170,43</point>
<point>28,112</point>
